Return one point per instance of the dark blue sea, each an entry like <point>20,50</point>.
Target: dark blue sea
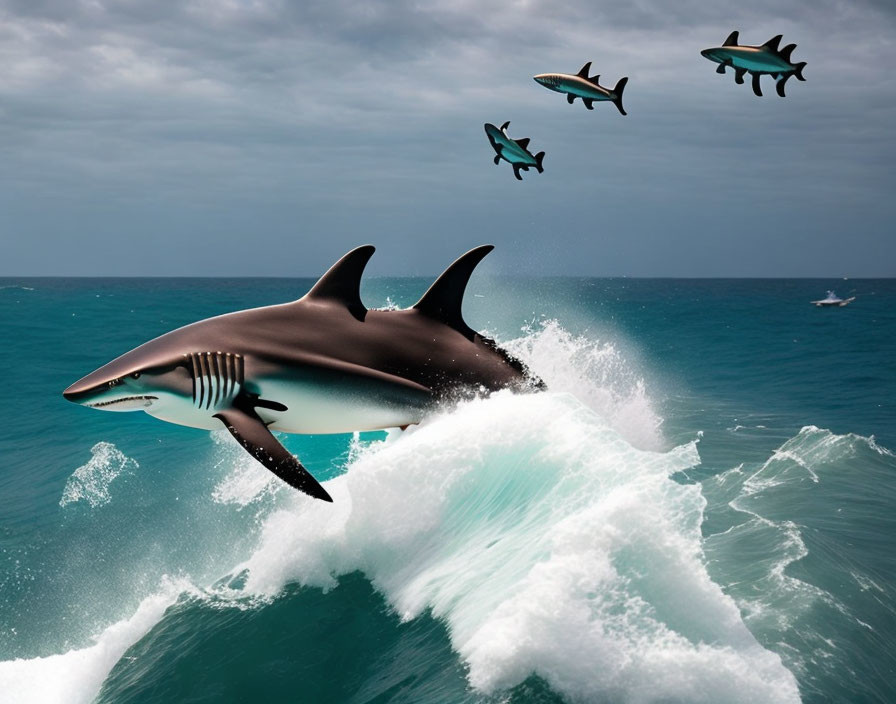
<point>701,508</point>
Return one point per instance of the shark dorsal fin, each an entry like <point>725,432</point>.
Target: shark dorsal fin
<point>583,72</point>
<point>523,142</point>
<point>445,297</point>
<point>505,126</point>
<point>732,39</point>
<point>773,42</point>
<point>786,52</point>
<point>342,282</point>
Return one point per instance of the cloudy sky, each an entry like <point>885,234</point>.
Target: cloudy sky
<point>267,137</point>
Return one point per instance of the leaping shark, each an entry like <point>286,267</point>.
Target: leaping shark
<point>514,151</point>
<point>580,86</point>
<point>321,364</point>
<point>756,60</point>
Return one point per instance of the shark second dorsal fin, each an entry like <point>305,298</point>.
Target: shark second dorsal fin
<point>524,142</point>
<point>444,299</point>
<point>342,282</point>
<point>772,44</point>
<point>583,72</point>
<point>786,52</point>
<point>732,39</point>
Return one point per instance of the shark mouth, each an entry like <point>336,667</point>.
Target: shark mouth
<point>131,401</point>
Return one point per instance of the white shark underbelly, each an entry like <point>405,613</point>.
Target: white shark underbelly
<point>322,408</point>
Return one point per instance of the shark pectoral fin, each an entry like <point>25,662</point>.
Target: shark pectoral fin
<point>721,68</point>
<point>588,103</point>
<point>570,98</point>
<point>497,159</point>
<point>251,432</point>
<point>739,75</point>
<point>756,89</point>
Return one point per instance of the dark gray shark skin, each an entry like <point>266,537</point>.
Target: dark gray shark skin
<point>513,151</point>
<point>757,61</point>
<point>581,86</point>
<point>321,364</point>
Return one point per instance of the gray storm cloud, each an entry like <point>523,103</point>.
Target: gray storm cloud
<point>267,138</point>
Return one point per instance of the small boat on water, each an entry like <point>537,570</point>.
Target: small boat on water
<point>832,299</point>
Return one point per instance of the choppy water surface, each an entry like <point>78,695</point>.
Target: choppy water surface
<point>701,508</point>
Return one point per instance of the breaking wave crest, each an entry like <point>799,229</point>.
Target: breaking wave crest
<point>75,677</point>
<point>545,542</point>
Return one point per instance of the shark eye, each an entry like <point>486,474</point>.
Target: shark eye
<point>135,375</point>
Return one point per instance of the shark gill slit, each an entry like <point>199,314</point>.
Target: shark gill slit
<point>211,380</point>
<point>203,376</point>
<point>192,372</point>
<point>197,378</point>
<point>213,358</point>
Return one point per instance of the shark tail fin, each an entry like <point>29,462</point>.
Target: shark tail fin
<point>342,282</point>
<point>617,91</point>
<point>444,299</point>
<point>538,159</point>
<point>732,39</point>
<point>798,72</point>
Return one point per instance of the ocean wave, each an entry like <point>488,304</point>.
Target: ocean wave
<point>76,677</point>
<point>92,482</point>
<point>808,478</point>
<point>546,542</point>
<point>543,530</point>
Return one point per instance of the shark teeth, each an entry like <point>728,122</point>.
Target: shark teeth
<point>100,404</point>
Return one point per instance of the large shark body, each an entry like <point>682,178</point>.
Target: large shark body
<point>581,86</point>
<point>321,364</point>
<point>513,151</point>
<point>756,60</point>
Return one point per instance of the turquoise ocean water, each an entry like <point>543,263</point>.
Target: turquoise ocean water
<point>702,508</point>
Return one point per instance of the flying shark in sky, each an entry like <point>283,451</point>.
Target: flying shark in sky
<point>580,86</point>
<point>321,364</point>
<point>514,151</point>
<point>756,60</point>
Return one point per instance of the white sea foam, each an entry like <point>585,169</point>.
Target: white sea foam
<point>598,374</point>
<point>546,543</point>
<point>244,484</point>
<point>92,482</point>
<point>75,677</point>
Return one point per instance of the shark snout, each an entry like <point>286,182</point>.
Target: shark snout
<point>545,79</point>
<point>78,392</point>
